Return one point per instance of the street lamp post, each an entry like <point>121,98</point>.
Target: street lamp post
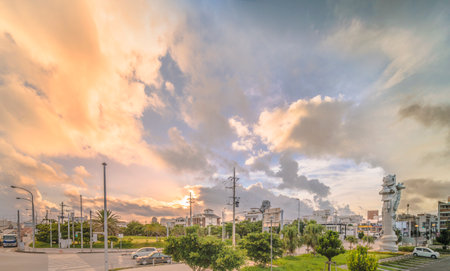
<point>416,232</point>
<point>32,208</point>
<point>298,217</point>
<point>105,216</point>
<point>271,257</point>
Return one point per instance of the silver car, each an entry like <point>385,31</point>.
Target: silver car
<point>143,252</point>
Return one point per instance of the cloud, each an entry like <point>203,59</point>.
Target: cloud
<point>181,155</point>
<point>406,51</point>
<point>427,188</point>
<point>314,127</point>
<point>217,196</point>
<point>139,208</point>
<point>79,94</point>
<point>291,180</point>
<point>428,115</point>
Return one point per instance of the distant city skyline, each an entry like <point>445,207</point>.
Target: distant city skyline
<point>310,100</point>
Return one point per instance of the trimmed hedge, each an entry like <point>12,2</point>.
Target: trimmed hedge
<point>406,248</point>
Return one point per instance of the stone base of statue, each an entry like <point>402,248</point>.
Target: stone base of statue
<point>388,243</point>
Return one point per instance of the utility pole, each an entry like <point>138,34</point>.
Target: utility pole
<point>50,224</point>
<point>18,228</point>
<point>68,228</point>
<point>271,219</point>
<point>233,179</point>
<point>90,230</point>
<point>223,225</point>
<point>59,223</point>
<point>81,220</point>
<point>190,208</point>
<point>298,217</point>
<point>73,227</point>
<point>105,217</point>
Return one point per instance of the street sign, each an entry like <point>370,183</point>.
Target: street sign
<point>94,237</point>
<point>120,235</point>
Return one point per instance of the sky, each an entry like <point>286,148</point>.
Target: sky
<point>308,100</point>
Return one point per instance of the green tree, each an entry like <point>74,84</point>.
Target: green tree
<point>177,230</point>
<point>360,235</point>
<point>352,240</point>
<point>134,228</point>
<point>201,253</point>
<point>291,240</point>
<point>329,246</point>
<point>359,260</point>
<point>444,238</point>
<point>368,240</point>
<point>228,259</point>
<point>257,245</point>
<point>113,221</point>
<point>311,235</point>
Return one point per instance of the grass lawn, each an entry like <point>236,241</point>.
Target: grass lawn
<point>127,242</point>
<point>309,262</point>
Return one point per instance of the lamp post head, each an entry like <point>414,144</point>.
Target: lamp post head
<point>104,164</point>
<point>18,198</point>
<point>13,186</point>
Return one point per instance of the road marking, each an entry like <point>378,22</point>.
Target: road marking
<point>65,262</point>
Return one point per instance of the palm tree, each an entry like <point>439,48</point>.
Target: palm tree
<point>351,240</point>
<point>113,221</point>
<point>291,239</point>
<point>312,233</point>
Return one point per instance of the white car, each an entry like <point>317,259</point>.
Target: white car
<point>425,252</point>
<point>143,252</point>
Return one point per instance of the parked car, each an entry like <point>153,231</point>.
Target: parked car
<point>425,252</point>
<point>143,252</point>
<point>156,257</point>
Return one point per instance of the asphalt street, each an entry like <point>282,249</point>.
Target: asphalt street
<point>16,261</point>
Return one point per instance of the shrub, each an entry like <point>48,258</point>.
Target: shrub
<point>406,248</point>
<point>257,246</point>
<point>359,260</point>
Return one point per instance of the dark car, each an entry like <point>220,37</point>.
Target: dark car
<point>155,257</point>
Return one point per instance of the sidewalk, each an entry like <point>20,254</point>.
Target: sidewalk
<point>75,250</point>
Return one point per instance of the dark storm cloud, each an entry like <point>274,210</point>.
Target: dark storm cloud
<point>291,180</point>
<point>182,156</point>
<point>428,188</point>
<point>218,196</point>
<point>427,114</point>
<point>122,207</point>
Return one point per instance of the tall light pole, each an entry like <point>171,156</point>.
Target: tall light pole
<point>271,257</point>
<point>81,220</point>
<point>298,217</point>
<point>233,179</point>
<point>105,217</point>
<point>32,208</point>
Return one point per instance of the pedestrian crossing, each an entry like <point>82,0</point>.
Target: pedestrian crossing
<point>408,264</point>
<point>66,262</point>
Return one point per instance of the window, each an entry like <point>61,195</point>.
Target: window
<point>419,249</point>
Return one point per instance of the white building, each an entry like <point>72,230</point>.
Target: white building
<point>253,215</point>
<point>275,215</point>
<point>207,218</point>
<point>425,223</point>
<point>443,215</point>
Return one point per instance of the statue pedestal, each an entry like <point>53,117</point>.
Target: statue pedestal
<point>388,243</point>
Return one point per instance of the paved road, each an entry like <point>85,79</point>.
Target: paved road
<point>11,260</point>
<point>442,264</point>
